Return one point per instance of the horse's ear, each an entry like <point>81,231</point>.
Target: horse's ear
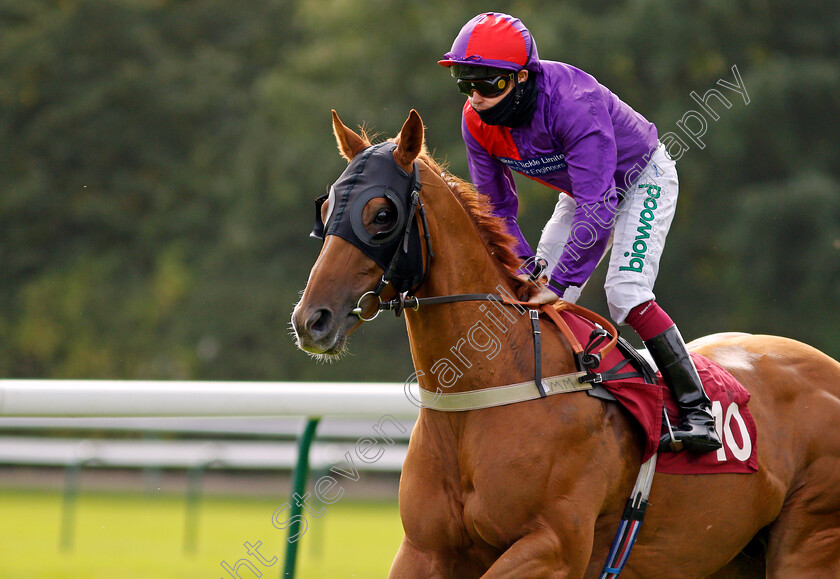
<point>410,140</point>
<point>349,143</point>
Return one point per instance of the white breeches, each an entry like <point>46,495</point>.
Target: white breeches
<point>638,237</point>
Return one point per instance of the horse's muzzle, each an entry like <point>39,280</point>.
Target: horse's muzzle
<point>317,331</point>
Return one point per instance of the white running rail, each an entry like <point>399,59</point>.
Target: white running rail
<point>172,398</point>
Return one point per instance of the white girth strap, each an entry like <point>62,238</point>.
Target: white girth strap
<point>501,395</point>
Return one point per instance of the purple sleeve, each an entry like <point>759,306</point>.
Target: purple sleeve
<point>493,179</point>
<point>587,132</point>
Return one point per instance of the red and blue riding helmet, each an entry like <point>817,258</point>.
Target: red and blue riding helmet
<point>494,41</point>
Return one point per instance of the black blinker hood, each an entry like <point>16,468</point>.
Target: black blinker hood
<point>371,174</point>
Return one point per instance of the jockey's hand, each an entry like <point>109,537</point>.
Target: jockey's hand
<point>542,295</point>
<point>536,291</point>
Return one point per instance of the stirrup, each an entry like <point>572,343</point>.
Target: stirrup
<point>668,443</point>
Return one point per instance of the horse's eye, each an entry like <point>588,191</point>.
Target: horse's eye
<point>383,217</point>
<point>380,218</point>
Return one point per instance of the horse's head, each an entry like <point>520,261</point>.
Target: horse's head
<point>371,240</point>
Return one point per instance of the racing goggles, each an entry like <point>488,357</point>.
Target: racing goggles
<point>487,87</point>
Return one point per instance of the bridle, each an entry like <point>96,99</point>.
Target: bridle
<point>405,246</point>
<point>399,249</point>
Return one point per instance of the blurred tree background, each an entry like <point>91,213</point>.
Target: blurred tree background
<point>160,157</point>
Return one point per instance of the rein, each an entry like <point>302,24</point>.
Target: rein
<point>401,302</point>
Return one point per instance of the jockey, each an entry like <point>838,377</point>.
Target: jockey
<point>617,186</point>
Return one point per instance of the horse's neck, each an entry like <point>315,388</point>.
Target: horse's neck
<point>462,263</point>
<point>473,344</point>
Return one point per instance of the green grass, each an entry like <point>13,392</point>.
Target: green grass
<point>128,536</point>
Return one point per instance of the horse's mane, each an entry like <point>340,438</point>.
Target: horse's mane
<point>490,227</point>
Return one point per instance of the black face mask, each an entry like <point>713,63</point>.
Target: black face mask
<point>517,108</point>
<point>372,174</point>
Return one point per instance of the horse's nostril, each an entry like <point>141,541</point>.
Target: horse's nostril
<point>319,323</point>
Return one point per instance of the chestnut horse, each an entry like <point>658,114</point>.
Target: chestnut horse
<point>537,488</point>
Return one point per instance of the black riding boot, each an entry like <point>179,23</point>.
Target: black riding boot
<point>696,431</point>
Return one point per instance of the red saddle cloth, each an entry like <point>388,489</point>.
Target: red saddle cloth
<point>733,421</point>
